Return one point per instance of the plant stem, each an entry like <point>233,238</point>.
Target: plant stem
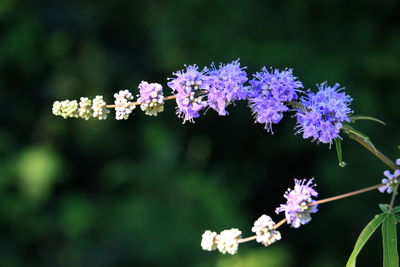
<point>137,103</point>
<point>326,200</point>
<point>374,151</point>
<point>394,194</point>
<point>250,238</point>
<point>329,199</point>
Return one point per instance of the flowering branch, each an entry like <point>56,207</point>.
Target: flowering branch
<point>320,116</point>
<point>326,200</point>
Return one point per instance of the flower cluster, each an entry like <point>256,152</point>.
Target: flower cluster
<point>297,208</point>
<point>265,231</point>
<point>188,89</point>
<point>85,109</point>
<point>225,85</point>
<point>99,107</point>
<point>151,98</point>
<point>213,87</point>
<point>323,113</point>
<point>225,242</point>
<point>124,105</point>
<point>270,93</point>
<point>270,90</point>
<point>391,180</point>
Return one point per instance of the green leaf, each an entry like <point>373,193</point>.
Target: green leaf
<point>389,239</point>
<point>353,132</point>
<point>363,238</point>
<point>397,217</point>
<point>354,118</point>
<point>396,209</point>
<point>384,207</point>
<point>338,144</point>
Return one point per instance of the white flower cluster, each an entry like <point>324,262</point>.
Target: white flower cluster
<point>99,108</point>
<point>151,98</point>
<point>123,101</point>
<point>264,230</point>
<point>84,109</point>
<point>66,109</point>
<point>225,242</point>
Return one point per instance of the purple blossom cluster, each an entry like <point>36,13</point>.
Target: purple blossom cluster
<point>297,208</point>
<point>323,113</point>
<point>215,88</point>
<point>226,85</point>
<point>188,87</point>
<point>270,90</point>
<point>391,180</point>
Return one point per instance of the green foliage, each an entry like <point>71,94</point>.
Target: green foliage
<point>338,145</point>
<point>364,237</point>
<point>389,240</point>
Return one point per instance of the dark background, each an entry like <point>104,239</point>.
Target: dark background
<point>141,192</point>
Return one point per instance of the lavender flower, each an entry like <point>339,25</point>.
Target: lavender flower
<point>270,89</point>
<point>151,98</point>
<point>225,85</point>
<point>282,84</point>
<point>188,88</point>
<point>323,113</point>
<point>391,180</point>
<point>297,209</point>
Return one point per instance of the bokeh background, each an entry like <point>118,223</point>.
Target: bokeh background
<point>141,192</point>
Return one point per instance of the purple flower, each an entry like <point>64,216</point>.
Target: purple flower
<point>188,88</point>
<point>225,85</point>
<point>323,113</point>
<point>267,110</point>
<point>281,84</point>
<point>151,98</point>
<point>270,89</point>
<point>391,180</point>
<point>297,209</point>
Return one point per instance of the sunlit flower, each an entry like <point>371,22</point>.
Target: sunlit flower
<point>123,101</point>
<point>66,109</point>
<point>208,240</point>
<point>323,113</point>
<point>188,87</point>
<point>85,108</point>
<point>227,241</point>
<point>265,232</point>
<point>391,180</point>
<point>151,98</point>
<point>270,89</point>
<point>297,208</point>
<point>99,108</point>
<point>225,85</point>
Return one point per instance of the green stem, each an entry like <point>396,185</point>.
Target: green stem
<point>394,194</point>
<point>374,151</point>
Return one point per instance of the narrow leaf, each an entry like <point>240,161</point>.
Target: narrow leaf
<point>338,144</point>
<point>396,209</point>
<point>389,239</point>
<point>353,132</point>
<point>354,118</point>
<point>363,238</point>
<point>397,217</point>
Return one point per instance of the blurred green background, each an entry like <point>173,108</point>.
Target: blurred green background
<point>141,192</point>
